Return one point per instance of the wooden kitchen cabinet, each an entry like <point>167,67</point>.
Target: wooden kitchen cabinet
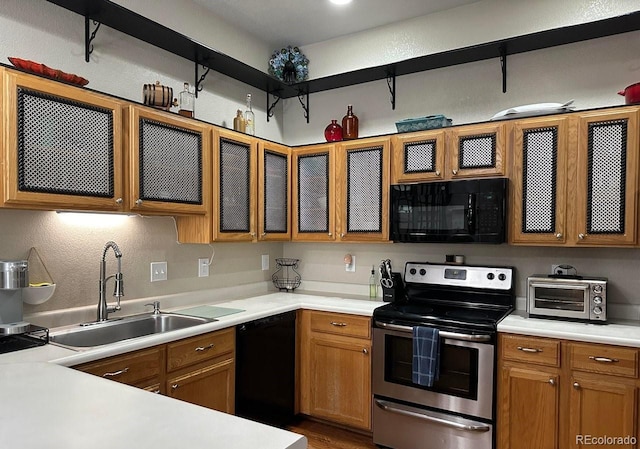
<point>143,369</point>
<point>168,163</point>
<point>469,151</point>
<point>556,393</point>
<point>335,368</point>
<point>61,146</point>
<point>274,192</point>
<point>575,179</point>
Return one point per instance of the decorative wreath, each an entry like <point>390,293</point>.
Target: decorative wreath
<point>289,65</point>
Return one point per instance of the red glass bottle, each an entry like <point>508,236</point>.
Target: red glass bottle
<point>333,132</point>
<point>349,125</point>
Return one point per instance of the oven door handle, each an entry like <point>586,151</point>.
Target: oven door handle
<point>384,405</point>
<point>443,334</point>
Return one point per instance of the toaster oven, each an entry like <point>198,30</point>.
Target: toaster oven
<point>568,297</point>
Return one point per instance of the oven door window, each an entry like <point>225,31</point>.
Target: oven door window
<point>458,367</point>
<point>554,298</point>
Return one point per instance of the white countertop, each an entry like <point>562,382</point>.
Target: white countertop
<point>52,407</point>
<point>614,332</point>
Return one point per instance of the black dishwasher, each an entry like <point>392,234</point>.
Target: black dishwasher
<point>265,369</point>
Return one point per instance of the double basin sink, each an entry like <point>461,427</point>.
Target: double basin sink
<point>118,329</point>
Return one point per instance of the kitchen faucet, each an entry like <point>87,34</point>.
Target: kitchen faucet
<point>118,292</point>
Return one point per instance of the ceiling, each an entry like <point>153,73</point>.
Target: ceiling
<point>303,22</point>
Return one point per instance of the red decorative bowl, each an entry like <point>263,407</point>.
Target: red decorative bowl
<point>41,69</point>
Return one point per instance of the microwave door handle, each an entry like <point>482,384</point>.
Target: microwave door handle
<point>471,213</point>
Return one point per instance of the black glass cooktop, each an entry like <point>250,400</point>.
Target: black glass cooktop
<point>37,336</point>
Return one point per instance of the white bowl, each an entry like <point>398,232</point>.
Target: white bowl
<point>38,295</point>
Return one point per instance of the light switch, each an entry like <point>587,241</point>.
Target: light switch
<point>158,271</point>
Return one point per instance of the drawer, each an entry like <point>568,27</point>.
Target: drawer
<point>197,349</point>
<point>341,324</point>
<point>130,368</point>
<point>541,351</point>
<point>604,359</point>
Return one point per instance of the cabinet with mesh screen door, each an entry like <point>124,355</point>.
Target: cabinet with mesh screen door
<point>362,190</point>
<point>469,151</point>
<point>313,193</point>
<point>235,186</point>
<point>168,163</point>
<point>61,146</point>
<point>575,179</point>
<point>274,191</point>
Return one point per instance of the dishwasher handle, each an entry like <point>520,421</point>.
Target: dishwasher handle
<point>268,321</point>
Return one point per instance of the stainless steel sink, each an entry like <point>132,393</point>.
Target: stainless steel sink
<point>118,329</point>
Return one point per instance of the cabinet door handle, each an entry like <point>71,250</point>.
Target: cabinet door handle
<point>175,386</point>
<point>205,348</point>
<point>603,359</point>
<point>335,323</point>
<point>576,385</point>
<point>520,348</point>
<point>116,373</point>
<point>559,235</point>
<point>552,382</point>
<point>581,236</point>
<point>118,200</point>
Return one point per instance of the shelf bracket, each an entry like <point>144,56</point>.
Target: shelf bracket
<point>503,64</point>
<point>391,83</point>
<point>89,37</point>
<point>200,79</point>
<point>271,106</point>
<point>305,104</point>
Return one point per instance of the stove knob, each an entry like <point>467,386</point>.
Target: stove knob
<point>490,276</point>
<point>423,271</point>
<point>597,310</point>
<point>412,271</point>
<point>502,276</point>
<point>597,289</point>
<point>597,300</point>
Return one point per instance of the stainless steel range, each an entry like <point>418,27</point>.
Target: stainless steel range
<point>464,303</point>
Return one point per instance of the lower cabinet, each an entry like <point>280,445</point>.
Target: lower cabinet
<point>335,368</point>
<point>563,394</point>
<point>200,369</point>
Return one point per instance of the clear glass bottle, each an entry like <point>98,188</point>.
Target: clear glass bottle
<point>349,125</point>
<point>187,102</point>
<point>249,118</point>
<point>373,284</point>
<point>238,121</point>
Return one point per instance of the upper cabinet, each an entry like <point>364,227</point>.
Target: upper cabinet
<point>61,146</point>
<point>575,179</point>
<point>274,191</point>
<point>469,151</point>
<point>168,163</point>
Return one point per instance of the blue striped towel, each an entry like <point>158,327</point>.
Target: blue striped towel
<point>426,356</point>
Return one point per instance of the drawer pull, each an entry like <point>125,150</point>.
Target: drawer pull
<point>335,323</point>
<point>204,348</point>
<point>116,373</point>
<point>603,359</point>
<point>156,391</point>
<point>174,386</point>
<point>523,349</point>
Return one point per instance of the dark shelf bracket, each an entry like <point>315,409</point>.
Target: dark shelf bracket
<point>89,37</point>
<point>200,79</point>
<point>272,105</point>
<point>391,83</point>
<point>503,64</point>
<point>305,104</point>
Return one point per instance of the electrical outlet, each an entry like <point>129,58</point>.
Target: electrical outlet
<point>158,271</point>
<point>265,262</point>
<point>556,269</point>
<point>203,268</point>
<point>351,268</point>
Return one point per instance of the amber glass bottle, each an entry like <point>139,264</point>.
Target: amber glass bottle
<point>349,125</point>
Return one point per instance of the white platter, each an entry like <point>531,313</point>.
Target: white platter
<point>530,110</point>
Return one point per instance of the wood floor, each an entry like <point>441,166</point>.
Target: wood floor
<point>323,436</point>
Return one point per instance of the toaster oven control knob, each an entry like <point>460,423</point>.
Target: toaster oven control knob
<point>490,276</point>
<point>423,271</point>
<point>412,271</point>
<point>502,276</point>
<point>597,310</point>
<point>597,300</point>
<point>597,289</point>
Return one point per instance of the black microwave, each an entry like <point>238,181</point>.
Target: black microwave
<point>467,211</point>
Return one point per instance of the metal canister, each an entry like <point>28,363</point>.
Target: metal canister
<point>14,274</point>
<point>157,95</point>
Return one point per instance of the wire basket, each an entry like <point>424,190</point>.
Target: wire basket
<point>286,277</point>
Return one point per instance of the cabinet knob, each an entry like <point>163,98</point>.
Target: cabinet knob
<point>253,234</point>
<point>138,202</point>
<point>263,234</point>
<point>118,200</point>
<point>454,172</point>
<point>552,382</point>
<point>559,235</point>
<point>342,235</point>
<point>576,385</point>
<point>330,234</point>
<point>581,236</point>
<point>437,172</point>
<point>174,386</point>
<point>365,351</point>
<point>156,391</point>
